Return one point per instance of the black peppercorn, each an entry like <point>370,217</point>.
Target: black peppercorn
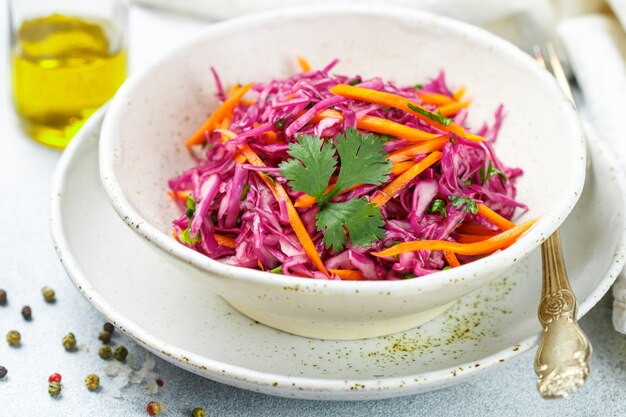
<point>108,327</point>
<point>3,372</point>
<point>3,297</point>
<point>27,313</point>
<point>105,337</point>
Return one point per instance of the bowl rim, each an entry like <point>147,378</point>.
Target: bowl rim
<point>545,226</point>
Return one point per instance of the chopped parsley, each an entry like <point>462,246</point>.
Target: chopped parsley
<point>418,86</point>
<point>362,161</point>
<point>355,81</point>
<point>184,236</point>
<point>438,205</point>
<point>407,276</point>
<point>191,206</point>
<point>279,123</point>
<point>435,117</point>
<point>277,270</point>
<point>466,203</point>
<point>244,192</point>
<point>491,171</point>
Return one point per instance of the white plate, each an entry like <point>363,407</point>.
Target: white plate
<point>179,319</point>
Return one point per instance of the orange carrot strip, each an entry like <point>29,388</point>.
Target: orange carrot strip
<point>270,137</point>
<point>222,240</point>
<point>398,184</point>
<point>304,64</point>
<point>382,126</point>
<point>180,195</point>
<point>492,244</point>
<point>434,98</point>
<point>399,167</point>
<point>306,201</point>
<point>399,102</point>
<point>494,217</point>
<point>453,108</point>
<point>247,102</point>
<point>458,94</point>
<point>475,229</point>
<point>347,274</point>
<point>471,238</point>
<point>451,258</point>
<point>226,134</point>
<point>294,218</point>
<point>411,151</point>
<point>217,116</point>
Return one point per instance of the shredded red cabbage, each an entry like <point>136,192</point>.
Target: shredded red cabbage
<point>230,200</point>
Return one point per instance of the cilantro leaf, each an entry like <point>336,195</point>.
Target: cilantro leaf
<point>184,236</point>
<point>355,81</point>
<point>313,163</point>
<point>363,221</point>
<point>279,123</point>
<point>491,171</point>
<point>191,206</point>
<point>244,192</point>
<point>277,270</point>
<point>438,205</point>
<point>435,117</point>
<point>459,201</point>
<point>408,276</point>
<point>418,86</point>
<point>363,161</point>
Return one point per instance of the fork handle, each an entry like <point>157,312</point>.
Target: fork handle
<point>562,359</point>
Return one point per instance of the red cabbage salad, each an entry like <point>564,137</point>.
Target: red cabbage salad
<point>346,178</point>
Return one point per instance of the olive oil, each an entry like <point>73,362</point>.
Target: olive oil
<point>63,69</point>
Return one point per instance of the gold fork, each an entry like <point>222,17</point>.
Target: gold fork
<point>562,359</point>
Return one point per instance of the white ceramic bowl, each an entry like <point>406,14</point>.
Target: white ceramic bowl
<point>142,146</point>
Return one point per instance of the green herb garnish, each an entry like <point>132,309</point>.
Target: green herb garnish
<point>279,123</point>
<point>363,161</point>
<point>277,270</point>
<point>438,205</point>
<point>468,204</point>
<point>491,171</point>
<point>244,192</point>
<point>354,81</point>
<point>407,276</point>
<point>435,117</point>
<point>191,206</point>
<point>418,86</point>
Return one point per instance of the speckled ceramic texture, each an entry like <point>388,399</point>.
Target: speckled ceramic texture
<point>149,119</point>
<point>178,318</point>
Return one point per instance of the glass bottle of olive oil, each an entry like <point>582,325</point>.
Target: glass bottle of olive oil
<point>63,68</point>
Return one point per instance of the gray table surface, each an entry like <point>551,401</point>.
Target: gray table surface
<point>28,262</point>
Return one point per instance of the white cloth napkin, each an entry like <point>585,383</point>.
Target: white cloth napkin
<point>596,48</point>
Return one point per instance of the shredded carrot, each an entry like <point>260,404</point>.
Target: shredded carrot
<point>306,201</point>
<point>458,94</point>
<point>304,64</point>
<point>411,151</point>
<point>453,108</point>
<point>436,99</point>
<point>382,126</point>
<point>294,218</point>
<point>217,116</point>
<point>260,264</point>
<point>270,137</point>
<point>347,274</point>
<point>494,217</point>
<point>462,238</point>
<point>226,134</point>
<point>475,229</point>
<point>399,167</point>
<point>451,258</point>
<point>247,102</point>
<point>399,182</point>
<point>492,244</point>
<point>226,241</point>
<point>399,102</point>
<point>179,195</point>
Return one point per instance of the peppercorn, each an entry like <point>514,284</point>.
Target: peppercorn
<point>105,352</point>
<point>105,337</point>
<point>14,338</point>
<point>92,382</point>
<point>108,327</point>
<point>198,412</point>
<point>27,313</point>
<point>153,408</point>
<point>69,342</point>
<point>3,297</point>
<point>54,389</point>
<point>48,294</point>
<point>120,353</point>
<point>55,378</point>
<point>159,382</point>
<point>3,372</point>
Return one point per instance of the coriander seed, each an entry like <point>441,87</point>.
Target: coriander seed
<point>3,372</point>
<point>14,338</point>
<point>92,382</point>
<point>108,327</point>
<point>27,313</point>
<point>153,408</point>
<point>105,352</point>
<point>105,337</point>
<point>198,412</point>
<point>3,297</point>
<point>69,342</point>
<point>48,294</point>
<point>54,389</point>
<point>120,353</point>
